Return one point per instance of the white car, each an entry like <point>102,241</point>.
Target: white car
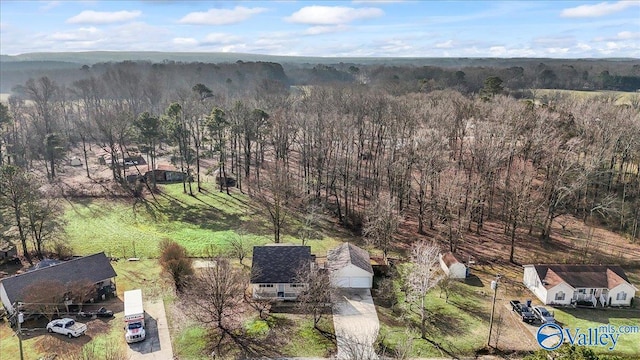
<point>67,327</point>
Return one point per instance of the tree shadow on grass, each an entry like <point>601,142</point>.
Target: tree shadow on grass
<point>473,280</point>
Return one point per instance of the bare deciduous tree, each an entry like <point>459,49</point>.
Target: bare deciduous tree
<point>239,246</point>
<point>215,294</point>
<point>315,299</point>
<point>44,297</point>
<point>381,223</point>
<point>423,276</point>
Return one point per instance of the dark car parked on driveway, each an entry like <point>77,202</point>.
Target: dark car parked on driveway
<point>101,313</point>
<point>525,312</point>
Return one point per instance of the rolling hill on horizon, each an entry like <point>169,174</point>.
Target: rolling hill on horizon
<point>93,57</point>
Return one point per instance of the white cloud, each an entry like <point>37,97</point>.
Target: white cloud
<point>81,34</point>
<point>332,15</point>
<point>554,41</point>
<point>597,10</point>
<point>557,51</point>
<point>185,41</point>
<point>221,16</point>
<point>324,29</point>
<point>103,17</point>
<point>628,35</point>
<point>445,45</point>
<point>49,5</point>
<point>583,47</point>
<point>220,38</point>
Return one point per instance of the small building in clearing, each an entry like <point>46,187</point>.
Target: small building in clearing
<point>165,174</point>
<point>452,266</point>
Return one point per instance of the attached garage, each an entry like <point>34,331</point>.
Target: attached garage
<point>350,267</point>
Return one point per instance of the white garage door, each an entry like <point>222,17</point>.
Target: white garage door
<point>360,282</point>
<point>342,282</point>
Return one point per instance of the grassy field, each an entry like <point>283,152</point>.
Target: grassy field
<point>621,97</point>
<point>459,326</point>
<point>202,224</point>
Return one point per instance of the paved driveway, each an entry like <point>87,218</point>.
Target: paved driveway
<point>157,345</point>
<point>356,323</point>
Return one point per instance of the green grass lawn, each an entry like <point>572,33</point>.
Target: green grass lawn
<point>459,326</point>
<point>628,344</point>
<point>202,224</point>
<point>191,343</point>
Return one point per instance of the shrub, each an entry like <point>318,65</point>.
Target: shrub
<point>175,262</point>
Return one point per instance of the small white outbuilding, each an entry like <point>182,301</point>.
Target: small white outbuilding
<point>452,267</point>
<point>75,162</point>
<point>350,267</point>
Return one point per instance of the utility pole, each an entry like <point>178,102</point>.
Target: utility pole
<point>20,319</point>
<point>494,286</point>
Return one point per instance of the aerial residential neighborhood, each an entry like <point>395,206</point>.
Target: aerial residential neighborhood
<point>349,180</point>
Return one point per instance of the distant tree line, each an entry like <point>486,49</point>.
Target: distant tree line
<point>464,75</point>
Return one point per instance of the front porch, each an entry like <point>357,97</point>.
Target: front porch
<point>594,297</point>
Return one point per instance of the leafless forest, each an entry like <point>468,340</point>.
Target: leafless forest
<point>375,155</point>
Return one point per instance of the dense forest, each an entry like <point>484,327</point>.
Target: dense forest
<point>376,145</point>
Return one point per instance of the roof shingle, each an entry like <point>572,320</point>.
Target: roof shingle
<point>278,264</point>
<point>581,276</point>
<point>93,268</point>
<point>347,254</point>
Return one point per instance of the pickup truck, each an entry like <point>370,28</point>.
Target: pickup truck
<point>543,315</point>
<point>525,312</point>
<point>67,327</point>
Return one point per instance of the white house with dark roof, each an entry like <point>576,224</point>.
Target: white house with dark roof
<point>275,270</point>
<point>598,285</point>
<point>95,269</point>
<point>350,267</point>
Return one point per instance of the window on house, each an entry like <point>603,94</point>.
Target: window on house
<point>265,285</point>
<point>560,295</point>
<point>297,285</point>
<point>621,296</point>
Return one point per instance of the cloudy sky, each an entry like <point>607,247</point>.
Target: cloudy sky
<point>567,29</point>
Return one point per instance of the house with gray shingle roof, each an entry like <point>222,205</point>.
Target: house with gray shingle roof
<point>95,269</point>
<point>350,267</point>
<point>275,270</point>
<point>563,284</point>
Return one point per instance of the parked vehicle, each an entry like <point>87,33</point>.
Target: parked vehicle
<point>101,313</point>
<point>543,315</point>
<point>67,327</point>
<point>525,312</point>
<point>133,316</point>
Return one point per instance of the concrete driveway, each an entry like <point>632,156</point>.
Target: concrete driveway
<point>356,323</point>
<point>157,344</point>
